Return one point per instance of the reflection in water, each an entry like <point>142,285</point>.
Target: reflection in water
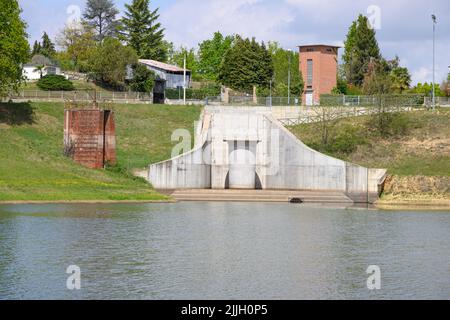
<point>221,251</point>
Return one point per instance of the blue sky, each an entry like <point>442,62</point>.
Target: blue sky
<point>403,26</point>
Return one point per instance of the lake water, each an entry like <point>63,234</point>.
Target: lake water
<point>221,251</point>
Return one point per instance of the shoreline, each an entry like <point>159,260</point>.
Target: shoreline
<point>413,204</point>
<point>16,202</point>
<point>400,204</point>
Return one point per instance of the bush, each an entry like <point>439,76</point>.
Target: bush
<point>143,79</point>
<point>347,140</point>
<point>388,124</point>
<point>55,83</point>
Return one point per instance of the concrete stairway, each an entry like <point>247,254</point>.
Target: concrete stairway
<point>259,196</point>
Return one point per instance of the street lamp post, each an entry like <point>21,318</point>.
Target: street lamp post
<point>270,98</point>
<point>289,77</point>
<point>433,17</point>
<point>184,80</point>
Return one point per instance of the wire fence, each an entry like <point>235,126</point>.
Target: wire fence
<point>369,101</point>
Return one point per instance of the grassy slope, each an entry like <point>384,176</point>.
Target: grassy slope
<point>32,166</point>
<point>423,150</point>
<point>78,84</point>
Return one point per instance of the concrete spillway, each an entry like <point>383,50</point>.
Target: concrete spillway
<point>247,148</point>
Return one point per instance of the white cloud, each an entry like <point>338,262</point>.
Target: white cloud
<point>188,22</point>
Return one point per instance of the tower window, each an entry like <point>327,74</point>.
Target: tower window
<point>309,72</point>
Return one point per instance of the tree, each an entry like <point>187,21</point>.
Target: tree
<point>36,48</point>
<point>401,79</point>
<point>101,16</point>
<point>246,64</point>
<point>48,47</point>
<point>280,59</point>
<point>78,42</point>
<point>40,68</point>
<point>14,47</point>
<point>377,79</point>
<point>211,53</point>
<point>143,79</point>
<point>142,31</point>
<point>426,89</point>
<point>108,63</point>
<point>361,47</point>
<point>177,58</point>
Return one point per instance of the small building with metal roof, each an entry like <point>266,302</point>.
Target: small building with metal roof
<point>171,74</point>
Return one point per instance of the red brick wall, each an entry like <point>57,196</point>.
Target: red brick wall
<point>91,135</point>
<point>324,69</point>
<point>110,138</point>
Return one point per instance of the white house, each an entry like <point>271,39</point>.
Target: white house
<point>30,71</point>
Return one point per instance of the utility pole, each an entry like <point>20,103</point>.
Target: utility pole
<point>289,78</point>
<point>184,80</point>
<point>433,17</point>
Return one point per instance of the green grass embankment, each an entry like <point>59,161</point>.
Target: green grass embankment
<point>33,168</point>
<point>79,85</point>
<point>415,149</point>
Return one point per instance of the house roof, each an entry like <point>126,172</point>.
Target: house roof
<point>162,65</point>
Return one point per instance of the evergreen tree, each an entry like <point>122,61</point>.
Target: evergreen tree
<point>36,48</point>
<point>246,64</point>
<point>361,47</point>
<point>101,15</point>
<point>48,47</point>
<point>14,47</point>
<point>143,32</point>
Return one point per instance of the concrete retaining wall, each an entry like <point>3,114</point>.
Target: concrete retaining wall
<point>280,160</point>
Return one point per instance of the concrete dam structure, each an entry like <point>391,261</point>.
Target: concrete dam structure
<point>247,148</point>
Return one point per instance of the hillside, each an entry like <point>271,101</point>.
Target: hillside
<point>415,150</point>
<point>32,166</point>
<point>78,84</point>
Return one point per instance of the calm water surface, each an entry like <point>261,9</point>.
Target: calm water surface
<point>221,251</point>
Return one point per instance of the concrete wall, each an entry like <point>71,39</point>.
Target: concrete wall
<point>279,159</point>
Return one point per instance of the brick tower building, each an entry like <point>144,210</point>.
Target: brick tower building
<point>318,64</point>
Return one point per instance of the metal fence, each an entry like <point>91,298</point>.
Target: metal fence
<point>249,101</point>
<point>440,101</point>
<point>321,114</point>
<point>122,97</point>
<point>368,101</point>
<point>325,100</point>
